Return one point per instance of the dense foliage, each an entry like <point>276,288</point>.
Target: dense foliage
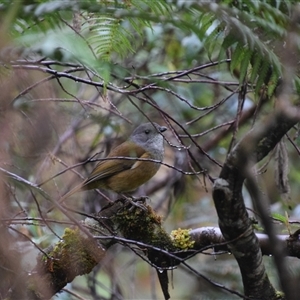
<point>77,76</point>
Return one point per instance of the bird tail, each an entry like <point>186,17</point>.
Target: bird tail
<point>65,196</point>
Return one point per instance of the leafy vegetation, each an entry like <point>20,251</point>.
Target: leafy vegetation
<point>75,75</point>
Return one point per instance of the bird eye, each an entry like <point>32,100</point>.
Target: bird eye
<point>147,131</point>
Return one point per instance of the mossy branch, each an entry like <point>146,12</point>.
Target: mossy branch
<point>76,254</point>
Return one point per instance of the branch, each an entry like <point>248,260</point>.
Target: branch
<point>77,254</point>
<point>211,237</point>
<point>233,218</point>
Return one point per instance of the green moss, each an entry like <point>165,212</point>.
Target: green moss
<point>73,255</point>
<point>182,239</point>
<point>144,226</point>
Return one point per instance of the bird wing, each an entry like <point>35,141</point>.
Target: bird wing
<point>107,168</point>
<point>138,163</point>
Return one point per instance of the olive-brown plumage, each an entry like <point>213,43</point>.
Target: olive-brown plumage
<point>122,173</point>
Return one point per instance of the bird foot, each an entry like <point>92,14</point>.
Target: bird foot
<point>134,202</point>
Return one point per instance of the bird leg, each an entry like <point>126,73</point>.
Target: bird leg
<point>134,201</point>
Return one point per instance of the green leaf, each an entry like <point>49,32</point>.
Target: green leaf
<point>237,55</point>
<point>229,41</point>
<point>256,64</point>
<point>212,41</point>
<point>245,64</point>
<point>280,218</point>
<point>262,75</point>
<point>273,82</point>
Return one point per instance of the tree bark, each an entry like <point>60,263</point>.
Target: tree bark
<point>234,221</point>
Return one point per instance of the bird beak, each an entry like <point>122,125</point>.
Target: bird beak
<point>162,128</point>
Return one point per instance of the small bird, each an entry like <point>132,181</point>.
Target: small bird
<point>122,173</point>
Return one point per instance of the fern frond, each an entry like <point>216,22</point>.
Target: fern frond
<point>107,31</point>
<point>237,56</point>
<point>156,7</point>
<point>111,34</point>
<point>205,22</point>
<point>264,71</point>
<point>211,40</point>
<point>273,83</point>
<point>246,28</point>
<point>245,63</point>
<point>256,64</point>
<point>229,41</point>
<point>107,35</point>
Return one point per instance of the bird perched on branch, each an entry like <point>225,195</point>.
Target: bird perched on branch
<point>129,165</point>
